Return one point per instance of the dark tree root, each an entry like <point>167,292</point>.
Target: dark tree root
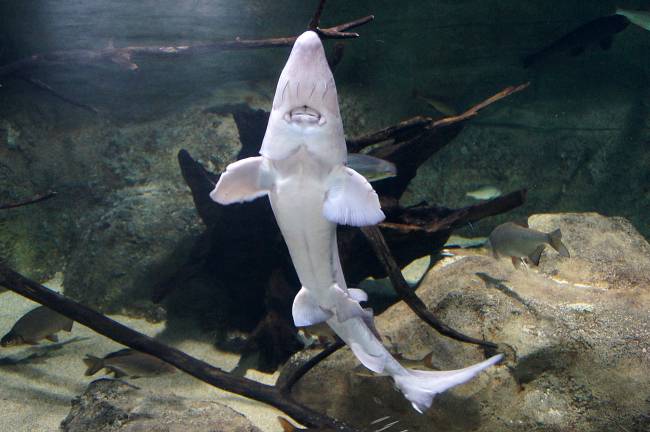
<point>209,374</point>
<point>292,373</point>
<point>378,243</point>
<point>410,232</point>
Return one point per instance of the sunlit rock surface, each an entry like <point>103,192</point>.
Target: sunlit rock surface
<point>576,333</point>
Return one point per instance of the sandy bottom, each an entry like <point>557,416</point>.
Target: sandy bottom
<point>35,395</point>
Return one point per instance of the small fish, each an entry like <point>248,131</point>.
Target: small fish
<point>36,325</point>
<point>600,31</point>
<point>640,18</point>
<point>372,168</point>
<point>127,362</point>
<point>456,241</point>
<point>518,242</point>
<point>437,104</point>
<point>485,193</point>
<point>424,363</point>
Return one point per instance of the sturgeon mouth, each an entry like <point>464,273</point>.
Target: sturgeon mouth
<point>304,115</point>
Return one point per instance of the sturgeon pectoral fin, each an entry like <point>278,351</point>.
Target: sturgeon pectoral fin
<point>242,181</point>
<point>350,200</point>
<point>306,311</point>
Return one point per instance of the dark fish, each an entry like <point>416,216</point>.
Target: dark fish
<point>600,31</point>
<point>518,242</point>
<point>127,362</point>
<point>36,325</point>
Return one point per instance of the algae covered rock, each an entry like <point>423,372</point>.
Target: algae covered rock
<point>576,333</point>
<point>113,405</point>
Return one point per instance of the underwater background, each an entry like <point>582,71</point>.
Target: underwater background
<point>123,222</point>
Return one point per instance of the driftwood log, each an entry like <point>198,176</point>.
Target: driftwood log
<point>243,255</point>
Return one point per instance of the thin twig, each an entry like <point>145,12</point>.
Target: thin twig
<point>33,200</point>
<point>41,85</point>
<point>138,341</point>
<point>315,20</point>
<point>378,244</point>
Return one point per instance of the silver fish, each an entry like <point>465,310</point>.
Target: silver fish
<point>485,193</point>
<point>36,325</point>
<point>372,168</point>
<point>518,243</point>
<point>127,362</point>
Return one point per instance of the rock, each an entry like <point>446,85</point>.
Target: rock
<point>113,405</point>
<point>576,333</point>
<point>129,245</point>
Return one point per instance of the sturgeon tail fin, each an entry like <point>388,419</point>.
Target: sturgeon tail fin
<point>555,240</point>
<point>420,387</point>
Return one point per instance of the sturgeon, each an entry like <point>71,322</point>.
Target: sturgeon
<point>301,168</point>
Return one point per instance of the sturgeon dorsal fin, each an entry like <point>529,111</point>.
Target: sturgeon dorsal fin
<point>350,200</point>
<point>242,181</point>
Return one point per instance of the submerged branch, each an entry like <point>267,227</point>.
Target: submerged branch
<point>378,244</point>
<point>456,218</point>
<point>138,341</point>
<point>409,128</point>
<point>291,375</point>
<point>123,56</point>
<point>33,200</point>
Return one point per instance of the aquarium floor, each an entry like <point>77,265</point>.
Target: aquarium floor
<point>36,395</point>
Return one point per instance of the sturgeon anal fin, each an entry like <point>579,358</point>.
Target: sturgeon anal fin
<point>53,337</point>
<point>369,320</point>
<point>358,294</point>
<point>306,310</point>
<point>242,181</point>
<point>350,200</point>
<point>345,306</point>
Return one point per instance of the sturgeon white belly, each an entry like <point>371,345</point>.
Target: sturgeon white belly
<point>297,204</point>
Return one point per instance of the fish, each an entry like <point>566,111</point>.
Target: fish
<point>127,362</point>
<point>640,18</point>
<point>424,363</point>
<point>456,241</point>
<point>301,168</point>
<point>485,193</point>
<point>372,168</point>
<point>437,104</point>
<point>38,324</point>
<point>599,31</point>
<point>519,243</point>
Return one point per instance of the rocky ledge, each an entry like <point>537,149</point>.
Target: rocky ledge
<point>576,332</point>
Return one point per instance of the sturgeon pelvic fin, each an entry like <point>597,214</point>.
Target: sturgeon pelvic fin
<point>350,200</point>
<point>306,311</point>
<point>242,181</point>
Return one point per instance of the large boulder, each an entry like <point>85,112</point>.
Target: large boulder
<point>576,333</point>
<point>113,405</point>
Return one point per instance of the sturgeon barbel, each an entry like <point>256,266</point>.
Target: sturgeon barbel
<point>302,170</point>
